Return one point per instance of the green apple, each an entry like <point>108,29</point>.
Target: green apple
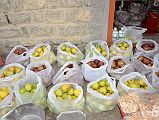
<point>33,91</point>
<point>71,91</point>
<point>95,86</point>
<point>28,87</point>
<point>34,85</point>
<point>58,92</point>
<point>22,91</point>
<point>103,90</point>
<point>74,97</point>
<point>63,47</point>
<point>104,53</point>
<point>73,50</point>
<point>68,49</point>
<point>9,73</point>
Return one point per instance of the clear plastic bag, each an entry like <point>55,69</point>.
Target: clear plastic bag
<point>150,52</point>
<point>39,97</point>
<point>91,46</point>
<point>89,73</point>
<point>63,57</point>
<point>134,33</point>
<point>124,89</point>
<point>14,58</point>
<point>96,102</point>
<point>46,74</point>
<point>118,73</point>
<point>13,78</point>
<point>65,73</point>
<point>139,66</point>
<point>44,57</point>
<point>58,106</point>
<point>116,51</point>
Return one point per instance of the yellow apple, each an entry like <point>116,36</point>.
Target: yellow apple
<point>65,87</point>
<point>77,92</point>
<point>73,50</point>
<point>95,86</point>
<point>58,92</point>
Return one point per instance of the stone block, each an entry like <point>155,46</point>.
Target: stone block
<point>3,20</point>
<point>9,32</point>
<point>4,5</point>
<point>94,3</point>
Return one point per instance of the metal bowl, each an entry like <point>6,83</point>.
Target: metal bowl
<point>26,112</point>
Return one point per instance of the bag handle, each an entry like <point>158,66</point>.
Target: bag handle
<point>113,81</point>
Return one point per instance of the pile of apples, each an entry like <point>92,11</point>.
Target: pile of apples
<point>68,49</point>
<point>67,92</point>
<point>39,51</point>
<point>19,51</point>
<point>38,69</point>
<point>157,73</point>
<point>11,71</point>
<point>96,63</point>
<point>102,87</point>
<point>4,92</point>
<point>123,45</point>
<point>145,60</point>
<point>101,50</point>
<point>119,63</point>
<point>148,46</point>
<point>28,88</point>
<point>136,83</point>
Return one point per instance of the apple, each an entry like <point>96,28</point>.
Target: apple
<point>101,49</point>
<point>102,83</point>
<point>28,87</point>
<point>58,92</point>
<point>118,63</point>
<point>148,46</point>
<point>39,51</point>
<point>19,51</point>
<point>96,63</point>
<point>95,86</point>
<point>73,50</point>
<point>145,60</point>
<point>4,92</point>
<point>77,92</point>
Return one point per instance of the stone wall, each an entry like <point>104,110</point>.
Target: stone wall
<point>29,22</point>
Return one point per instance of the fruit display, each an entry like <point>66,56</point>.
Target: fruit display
<point>102,87</point>
<point>136,83</point>
<point>119,63</point>
<point>4,92</point>
<point>11,71</point>
<point>39,51</point>
<point>67,49</point>
<point>38,69</point>
<point>28,88</point>
<point>148,46</point>
<point>123,45</point>
<point>96,63</point>
<point>19,51</point>
<point>67,92</point>
<point>101,50</point>
<point>145,60</point>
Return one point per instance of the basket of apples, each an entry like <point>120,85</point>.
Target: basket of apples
<point>143,63</point>
<point>42,69</point>
<point>121,47</point>
<point>65,97</point>
<point>68,52</point>
<point>99,46</point>
<point>70,72</point>
<point>147,46</point>
<point>19,54</point>
<point>12,72</point>
<point>7,101</point>
<point>102,95</point>
<point>94,66</point>
<point>119,66</point>
<point>30,90</point>
<point>134,82</point>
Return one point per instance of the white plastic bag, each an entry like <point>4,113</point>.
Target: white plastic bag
<point>89,73</point>
<point>134,33</point>
<point>14,58</point>
<point>124,89</point>
<point>139,66</point>
<point>118,73</point>
<point>44,57</point>
<point>96,102</point>
<point>155,78</point>
<point>156,60</point>
<point>91,46</point>
<point>63,57</point>
<point>13,78</point>
<point>58,106</point>
<point>65,73</point>
<point>116,51</point>
<point>46,74</point>
<point>150,52</point>
<point>39,97</point>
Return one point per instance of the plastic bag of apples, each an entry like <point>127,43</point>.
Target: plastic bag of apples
<point>94,66</point>
<point>70,72</point>
<point>30,90</point>
<point>147,46</point>
<point>42,69</point>
<point>102,95</point>
<point>143,63</point>
<point>11,73</point>
<point>7,101</point>
<point>119,66</point>
<point>68,52</point>
<point>65,96</point>
<point>99,46</point>
<point>121,47</point>
<point>19,54</point>
<point>134,82</point>
<point>42,52</point>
